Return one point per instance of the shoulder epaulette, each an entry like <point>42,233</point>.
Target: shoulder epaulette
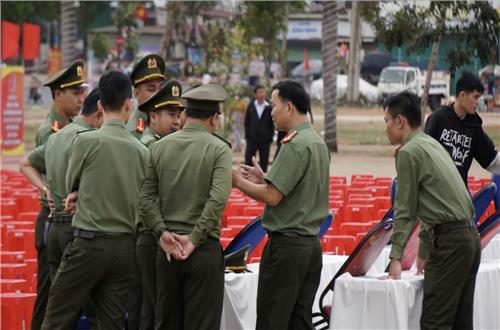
<point>85,131</point>
<point>289,137</point>
<point>140,125</point>
<point>224,140</point>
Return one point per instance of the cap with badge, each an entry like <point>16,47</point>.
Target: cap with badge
<point>70,77</point>
<point>149,67</point>
<point>167,97</point>
<point>205,97</point>
<point>237,261</point>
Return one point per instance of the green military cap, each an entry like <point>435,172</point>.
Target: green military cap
<point>72,76</point>
<point>149,67</point>
<point>237,261</point>
<point>168,96</point>
<point>205,97</point>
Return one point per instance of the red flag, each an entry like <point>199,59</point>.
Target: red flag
<point>31,41</point>
<point>306,60</point>
<point>10,40</point>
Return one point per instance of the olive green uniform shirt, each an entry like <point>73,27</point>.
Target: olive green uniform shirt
<point>148,138</point>
<point>301,173</point>
<point>429,188</point>
<point>52,159</point>
<point>190,175</point>
<point>132,122</point>
<point>107,167</point>
<point>45,129</point>
<point>43,133</point>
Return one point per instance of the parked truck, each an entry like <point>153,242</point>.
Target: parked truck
<point>395,79</point>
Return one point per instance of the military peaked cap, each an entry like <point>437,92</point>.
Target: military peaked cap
<point>72,76</point>
<point>168,96</point>
<point>149,67</point>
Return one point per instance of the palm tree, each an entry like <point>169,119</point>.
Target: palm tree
<point>329,48</point>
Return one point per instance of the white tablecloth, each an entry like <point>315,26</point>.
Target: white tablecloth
<point>369,303</point>
<point>240,294</point>
<point>492,250</point>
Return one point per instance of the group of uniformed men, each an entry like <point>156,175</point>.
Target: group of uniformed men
<point>132,201</point>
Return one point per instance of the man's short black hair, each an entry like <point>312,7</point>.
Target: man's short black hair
<point>469,82</point>
<point>114,89</point>
<point>292,91</point>
<point>407,105</point>
<point>90,103</point>
<point>202,115</point>
<point>257,87</point>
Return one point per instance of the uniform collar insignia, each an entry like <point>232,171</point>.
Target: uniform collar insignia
<point>140,125</point>
<point>55,126</point>
<point>289,136</point>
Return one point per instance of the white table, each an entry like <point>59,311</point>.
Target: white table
<point>240,293</point>
<point>369,303</point>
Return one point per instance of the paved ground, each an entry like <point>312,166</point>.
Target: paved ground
<point>351,159</point>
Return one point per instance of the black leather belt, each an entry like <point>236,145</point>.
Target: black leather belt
<point>450,226</point>
<point>90,234</point>
<point>286,234</point>
<point>61,219</point>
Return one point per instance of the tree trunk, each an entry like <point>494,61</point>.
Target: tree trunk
<point>329,49</point>
<point>68,32</point>
<point>284,45</point>
<point>424,104</point>
<point>354,50</point>
<point>167,33</point>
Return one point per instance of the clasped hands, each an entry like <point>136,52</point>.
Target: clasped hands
<point>177,246</point>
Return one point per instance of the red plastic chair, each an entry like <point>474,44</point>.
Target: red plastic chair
<point>14,271</point>
<point>239,220</point>
<point>29,216</point>
<point>14,285</point>
<point>353,228</point>
<point>253,211</point>
<point>12,257</point>
<point>16,310</point>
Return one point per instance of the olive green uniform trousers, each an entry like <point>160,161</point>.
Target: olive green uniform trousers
<point>450,278</point>
<point>146,251</point>
<point>97,268</point>
<point>289,275</point>
<point>43,273</point>
<point>190,292</point>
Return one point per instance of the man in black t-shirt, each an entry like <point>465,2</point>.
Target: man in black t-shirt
<point>459,129</point>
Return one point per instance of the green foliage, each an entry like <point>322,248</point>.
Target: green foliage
<point>125,19</point>
<point>99,44</point>
<point>261,24</point>
<point>223,41</point>
<point>124,16</point>
<point>30,11</point>
<point>474,25</point>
